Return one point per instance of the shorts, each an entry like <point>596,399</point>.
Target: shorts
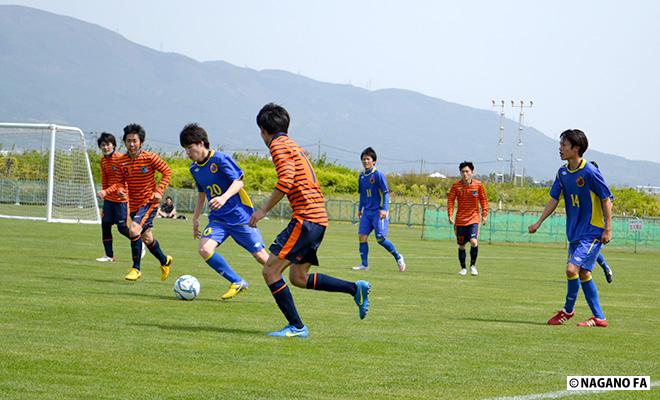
<point>245,236</point>
<point>465,233</point>
<point>115,212</point>
<point>584,253</point>
<point>299,242</point>
<point>144,216</point>
<point>370,221</point>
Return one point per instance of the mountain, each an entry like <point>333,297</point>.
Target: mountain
<point>59,69</point>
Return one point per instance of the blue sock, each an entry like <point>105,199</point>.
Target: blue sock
<point>284,299</point>
<point>220,265</point>
<point>461,257</point>
<point>591,294</point>
<point>571,293</point>
<point>136,251</point>
<point>327,283</point>
<point>601,261</point>
<point>364,253</point>
<point>106,228</point>
<point>390,248</point>
<point>154,248</point>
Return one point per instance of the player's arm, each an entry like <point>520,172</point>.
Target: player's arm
<point>258,215</point>
<point>362,200</point>
<point>607,213</point>
<point>104,179</point>
<point>483,200</point>
<point>550,207</point>
<point>119,186</point>
<point>451,198</point>
<point>384,191</point>
<point>220,201</point>
<point>201,200</point>
<point>161,166</point>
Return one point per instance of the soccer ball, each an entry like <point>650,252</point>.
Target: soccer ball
<point>187,287</point>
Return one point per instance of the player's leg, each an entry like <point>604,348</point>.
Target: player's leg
<point>380,231</point>
<point>106,232</point>
<point>474,248</point>
<point>152,244</point>
<point>572,290</point>
<point>272,273</point>
<point>135,236</point>
<point>588,251</point>
<point>247,237</point>
<point>609,274</point>
<point>460,241</point>
<point>364,229</point>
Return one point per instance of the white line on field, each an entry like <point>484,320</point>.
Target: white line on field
<point>557,395</point>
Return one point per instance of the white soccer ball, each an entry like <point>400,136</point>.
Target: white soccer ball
<point>187,287</point>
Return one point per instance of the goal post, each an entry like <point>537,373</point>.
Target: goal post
<point>45,174</point>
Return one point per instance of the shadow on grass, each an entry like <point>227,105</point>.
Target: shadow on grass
<point>213,329</point>
<point>505,321</point>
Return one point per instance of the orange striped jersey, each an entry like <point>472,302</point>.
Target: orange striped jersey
<point>469,198</point>
<point>296,178</point>
<point>110,176</point>
<point>139,176</point>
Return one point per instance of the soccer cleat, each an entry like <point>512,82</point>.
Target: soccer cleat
<point>234,290</point>
<point>105,259</point>
<point>291,331</point>
<point>463,271</point>
<point>144,251</point>
<point>362,297</point>
<point>133,274</point>
<point>401,263</point>
<point>593,321</point>
<point>165,269</point>
<point>473,270</point>
<point>361,268</point>
<point>609,275</point>
<point>560,317</point>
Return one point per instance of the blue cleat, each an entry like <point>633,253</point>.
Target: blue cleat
<point>362,297</point>
<point>291,331</point>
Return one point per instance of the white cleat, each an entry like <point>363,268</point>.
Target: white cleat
<point>462,272</point>
<point>361,268</point>
<point>105,259</point>
<point>473,271</point>
<point>401,263</point>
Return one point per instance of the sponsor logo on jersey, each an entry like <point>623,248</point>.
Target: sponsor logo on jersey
<point>144,170</point>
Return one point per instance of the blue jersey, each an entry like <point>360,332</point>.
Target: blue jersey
<point>214,178</point>
<point>374,194</point>
<point>583,189</point>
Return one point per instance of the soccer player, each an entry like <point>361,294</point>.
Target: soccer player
<point>297,244</point>
<point>138,174</point>
<point>115,207</point>
<point>588,223</point>
<point>220,181</point>
<point>373,210</point>
<point>470,194</point>
<point>167,210</point>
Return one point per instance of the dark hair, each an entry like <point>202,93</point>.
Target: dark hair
<point>466,164</point>
<point>134,128</point>
<point>168,198</point>
<point>273,119</point>
<point>107,138</point>
<point>369,152</point>
<point>576,138</point>
<point>193,133</point>
<point>595,164</point>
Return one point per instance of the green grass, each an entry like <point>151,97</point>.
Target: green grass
<point>72,328</point>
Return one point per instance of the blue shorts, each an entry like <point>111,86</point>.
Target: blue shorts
<point>245,236</point>
<point>370,221</point>
<point>298,242</point>
<point>584,253</point>
<point>115,212</point>
<point>145,215</point>
<point>465,233</point>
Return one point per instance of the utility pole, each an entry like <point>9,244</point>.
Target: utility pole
<point>421,166</point>
<point>318,150</point>
<point>499,167</point>
<point>519,150</point>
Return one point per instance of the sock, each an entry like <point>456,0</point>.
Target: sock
<point>571,293</point>
<point>474,252</point>
<point>154,248</point>
<point>364,253</point>
<point>390,248</point>
<point>591,294</point>
<point>220,265</point>
<point>136,251</point>
<point>284,299</point>
<point>327,283</point>
<point>106,229</point>
<point>461,257</point>
<point>601,261</point>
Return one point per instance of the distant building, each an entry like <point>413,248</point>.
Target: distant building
<point>649,189</point>
<point>437,175</point>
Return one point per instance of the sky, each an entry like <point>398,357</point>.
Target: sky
<point>590,65</point>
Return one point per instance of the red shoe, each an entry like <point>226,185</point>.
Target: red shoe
<point>593,321</point>
<point>560,317</point>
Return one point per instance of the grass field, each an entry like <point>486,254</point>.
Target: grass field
<point>72,328</point>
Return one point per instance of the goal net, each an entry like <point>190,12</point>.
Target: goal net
<point>45,174</point>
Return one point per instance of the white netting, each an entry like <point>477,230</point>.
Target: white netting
<point>36,158</point>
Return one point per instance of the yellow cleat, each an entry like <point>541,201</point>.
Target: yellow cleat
<point>133,274</point>
<point>234,290</point>
<point>165,269</point>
